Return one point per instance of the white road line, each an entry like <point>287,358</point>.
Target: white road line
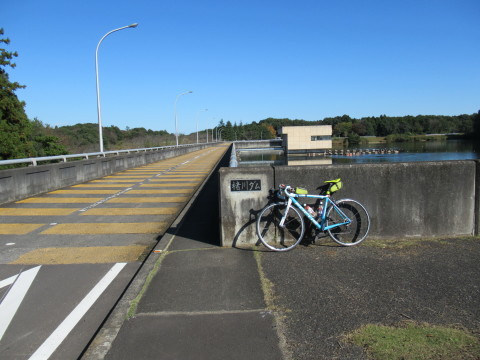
<point>8,281</point>
<point>62,331</point>
<point>105,199</point>
<point>11,303</point>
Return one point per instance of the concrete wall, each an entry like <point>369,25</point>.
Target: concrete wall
<point>258,144</point>
<point>17,184</point>
<point>418,199</point>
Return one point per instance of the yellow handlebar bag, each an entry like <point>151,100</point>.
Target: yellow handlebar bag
<point>301,191</point>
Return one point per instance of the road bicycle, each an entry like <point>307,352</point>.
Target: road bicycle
<point>281,224</point>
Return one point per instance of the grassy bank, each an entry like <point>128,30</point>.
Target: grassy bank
<point>411,340</point>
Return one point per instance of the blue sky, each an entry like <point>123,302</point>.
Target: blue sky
<point>243,60</point>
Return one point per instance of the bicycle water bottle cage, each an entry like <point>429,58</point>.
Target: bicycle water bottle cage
<point>301,191</point>
<point>335,185</point>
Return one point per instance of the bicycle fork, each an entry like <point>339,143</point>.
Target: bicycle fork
<point>282,221</point>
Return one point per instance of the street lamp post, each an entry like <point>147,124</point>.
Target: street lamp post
<point>176,122</point>
<point>100,132</point>
<point>217,131</point>
<point>198,115</point>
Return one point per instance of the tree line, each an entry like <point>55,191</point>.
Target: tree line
<point>345,126</point>
<point>83,138</point>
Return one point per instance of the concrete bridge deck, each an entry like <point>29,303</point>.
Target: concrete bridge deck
<point>67,255</point>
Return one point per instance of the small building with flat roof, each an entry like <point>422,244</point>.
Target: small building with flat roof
<point>306,139</point>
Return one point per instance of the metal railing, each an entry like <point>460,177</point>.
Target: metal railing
<point>233,157</point>
<point>34,161</point>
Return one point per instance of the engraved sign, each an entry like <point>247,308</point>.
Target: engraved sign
<point>245,185</point>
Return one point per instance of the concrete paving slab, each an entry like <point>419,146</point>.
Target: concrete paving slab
<point>205,280</point>
<point>246,335</point>
<point>181,243</point>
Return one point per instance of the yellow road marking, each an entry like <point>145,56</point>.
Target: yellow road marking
<point>146,171</point>
<point>106,228</point>
<point>168,176</point>
<point>174,180</point>
<point>187,174</point>
<point>90,191</point>
<point>171,191</point>
<point>35,212</point>
<point>124,182</point>
<point>126,176</point>
<point>103,185</point>
<point>156,166</point>
<point>53,200</point>
<point>82,255</point>
<point>156,199</point>
<point>188,171</point>
<point>142,174</point>
<point>168,185</point>
<point>18,229</point>
<point>131,211</point>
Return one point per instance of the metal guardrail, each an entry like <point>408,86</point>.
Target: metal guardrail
<point>64,158</point>
<point>233,157</point>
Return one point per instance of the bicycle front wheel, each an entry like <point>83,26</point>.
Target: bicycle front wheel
<point>277,237</point>
<point>356,230</point>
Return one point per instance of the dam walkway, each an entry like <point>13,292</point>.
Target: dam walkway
<point>68,255</point>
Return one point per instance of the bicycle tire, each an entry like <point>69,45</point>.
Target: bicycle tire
<point>349,234</point>
<point>278,238</point>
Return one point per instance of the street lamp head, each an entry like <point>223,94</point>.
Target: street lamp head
<point>133,25</point>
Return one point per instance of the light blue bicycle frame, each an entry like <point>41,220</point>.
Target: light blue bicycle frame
<point>321,225</point>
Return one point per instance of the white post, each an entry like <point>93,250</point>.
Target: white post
<point>198,115</point>
<point>175,108</point>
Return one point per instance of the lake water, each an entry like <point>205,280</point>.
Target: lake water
<point>407,152</point>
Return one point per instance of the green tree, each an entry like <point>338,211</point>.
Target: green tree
<point>353,138</point>
<point>476,124</point>
<point>359,128</point>
<point>15,128</point>
<point>342,129</point>
<point>44,142</point>
<point>20,137</point>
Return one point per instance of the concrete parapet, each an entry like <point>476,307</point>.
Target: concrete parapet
<point>240,200</point>
<point>417,199</point>
<point>256,144</point>
<point>17,184</point>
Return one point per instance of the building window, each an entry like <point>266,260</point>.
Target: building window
<point>321,138</point>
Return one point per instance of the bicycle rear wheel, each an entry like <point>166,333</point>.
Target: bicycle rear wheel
<point>275,237</point>
<point>354,232</point>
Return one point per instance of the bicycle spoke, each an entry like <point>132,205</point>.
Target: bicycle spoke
<point>279,238</point>
<point>352,233</point>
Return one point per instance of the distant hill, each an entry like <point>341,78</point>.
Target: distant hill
<point>81,138</point>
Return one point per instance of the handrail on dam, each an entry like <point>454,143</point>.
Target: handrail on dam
<point>24,181</point>
<point>233,157</point>
<point>34,161</point>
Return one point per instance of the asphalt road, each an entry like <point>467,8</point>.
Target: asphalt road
<point>67,256</point>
